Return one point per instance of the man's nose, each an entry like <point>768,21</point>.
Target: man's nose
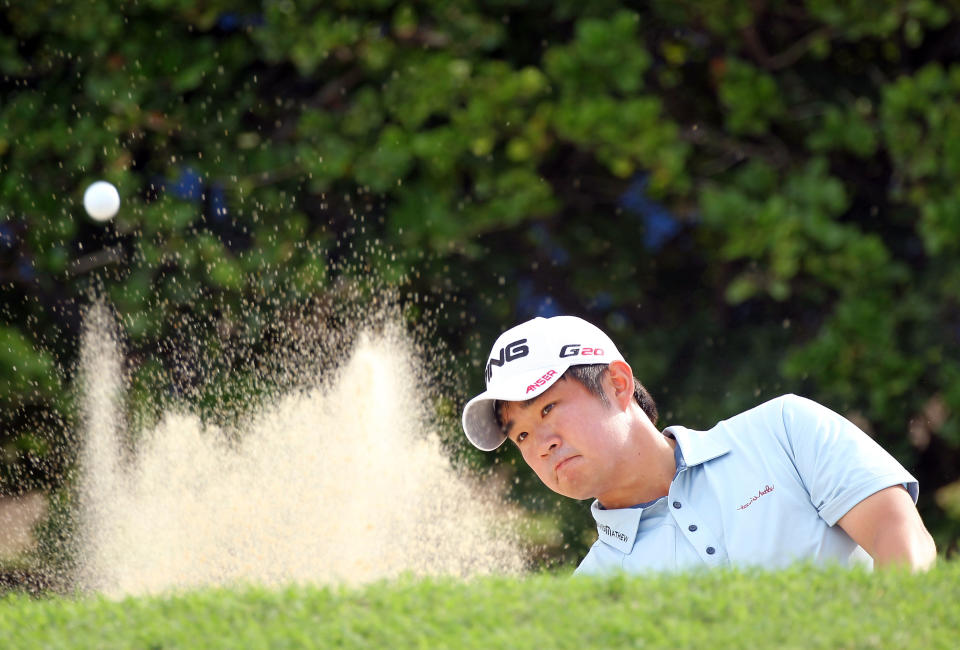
<point>549,440</point>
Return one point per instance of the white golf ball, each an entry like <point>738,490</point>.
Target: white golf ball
<point>101,201</point>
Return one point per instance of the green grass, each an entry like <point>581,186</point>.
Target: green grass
<point>799,608</point>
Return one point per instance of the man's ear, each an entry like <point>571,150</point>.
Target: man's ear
<point>620,377</point>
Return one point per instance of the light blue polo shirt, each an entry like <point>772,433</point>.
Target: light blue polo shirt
<point>763,488</point>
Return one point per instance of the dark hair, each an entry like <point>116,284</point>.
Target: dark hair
<point>591,377</point>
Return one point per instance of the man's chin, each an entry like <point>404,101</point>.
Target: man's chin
<point>572,491</point>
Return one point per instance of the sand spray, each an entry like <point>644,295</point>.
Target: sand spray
<point>340,481</point>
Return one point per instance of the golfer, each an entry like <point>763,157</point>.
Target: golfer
<point>787,481</point>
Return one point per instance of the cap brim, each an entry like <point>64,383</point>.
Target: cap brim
<point>479,418</point>
<point>480,423</point>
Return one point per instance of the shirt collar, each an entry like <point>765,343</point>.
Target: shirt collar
<point>618,527</point>
<point>697,447</point>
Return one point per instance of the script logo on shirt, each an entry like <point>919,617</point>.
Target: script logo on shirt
<point>605,529</point>
<point>767,489</point>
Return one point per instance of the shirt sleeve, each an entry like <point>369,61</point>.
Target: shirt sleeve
<point>839,464</point>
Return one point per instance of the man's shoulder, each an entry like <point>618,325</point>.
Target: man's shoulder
<point>600,559</point>
<point>777,404</point>
<point>752,424</point>
<point>772,411</point>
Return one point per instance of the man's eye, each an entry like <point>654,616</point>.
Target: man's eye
<point>547,409</point>
<point>521,436</point>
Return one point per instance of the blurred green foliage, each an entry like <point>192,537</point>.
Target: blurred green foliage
<point>798,607</point>
<point>753,198</point>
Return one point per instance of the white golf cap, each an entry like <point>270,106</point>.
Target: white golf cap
<point>525,361</point>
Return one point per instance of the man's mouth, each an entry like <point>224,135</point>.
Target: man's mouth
<point>563,462</point>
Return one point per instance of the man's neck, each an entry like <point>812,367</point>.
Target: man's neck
<point>647,477</point>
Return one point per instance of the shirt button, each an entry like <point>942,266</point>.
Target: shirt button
<point>711,550</point>
<point>692,527</point>
<point>676,504</point>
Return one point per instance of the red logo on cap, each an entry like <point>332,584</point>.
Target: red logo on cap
<point>541,381</point>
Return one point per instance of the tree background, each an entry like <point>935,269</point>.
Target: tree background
<point>751,197</point>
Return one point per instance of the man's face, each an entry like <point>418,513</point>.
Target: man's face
<point>570,438</point>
